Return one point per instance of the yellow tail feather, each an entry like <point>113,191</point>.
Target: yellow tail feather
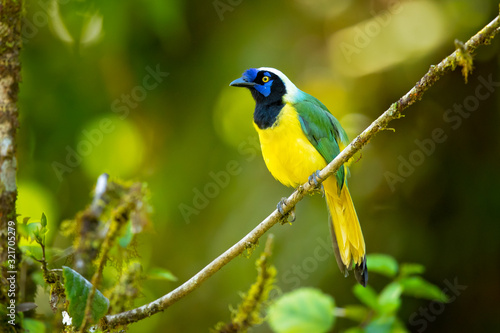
<point>347,236</point>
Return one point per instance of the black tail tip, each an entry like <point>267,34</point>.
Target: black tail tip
<point>361,272</point>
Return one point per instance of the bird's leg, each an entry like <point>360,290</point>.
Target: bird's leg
<point>286,217</point>
<point>315,180</point>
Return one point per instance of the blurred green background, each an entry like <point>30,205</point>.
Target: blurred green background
<point>89,104</point>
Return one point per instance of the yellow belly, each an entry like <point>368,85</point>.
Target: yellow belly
<point>287,152</point>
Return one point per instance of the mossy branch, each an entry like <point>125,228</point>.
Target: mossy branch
<point>394,112</point>
<point>249,311</point>
<point>11,14</point>
<point>119,217</point>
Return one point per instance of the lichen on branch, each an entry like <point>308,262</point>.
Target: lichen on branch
<point>10,75</point>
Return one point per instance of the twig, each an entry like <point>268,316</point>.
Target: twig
<point>394,112</point>
<point>88,222</point>
<point>120,216</point>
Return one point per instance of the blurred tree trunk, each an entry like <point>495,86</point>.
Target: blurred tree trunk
<point>10,75</point>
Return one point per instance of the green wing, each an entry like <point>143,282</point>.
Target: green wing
<point>323,131</point>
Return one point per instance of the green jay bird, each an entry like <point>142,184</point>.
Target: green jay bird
<point>298,137</point>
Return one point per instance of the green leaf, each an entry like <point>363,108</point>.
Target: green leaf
<point>418,287</point>
<point>29,230</point>
<point>366,295</point>
<point>161,274</point>
<point>43,221</point>
<point>380,325</point>
<point>356,312</point>
<point>302,310</point>
<point>77,290</point>
<point>382,264</point>
<point>390,298</point>
<point>38,238</point>
<point>43,230</point>
<point>411,269</point>
<point>33,251</point>
<point>32,325</point>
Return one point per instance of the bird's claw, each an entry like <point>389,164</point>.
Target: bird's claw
<point>315,179</point>
<point>286,217</point>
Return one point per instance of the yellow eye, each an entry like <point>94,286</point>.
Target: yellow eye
<point>265,79</point>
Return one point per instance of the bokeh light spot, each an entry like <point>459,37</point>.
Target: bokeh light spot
<point>33,199</point>
<point>392,36</point>
<point>233,114</point>
<point>111,145</point>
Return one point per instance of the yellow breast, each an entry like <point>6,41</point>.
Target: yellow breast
<point>287,152</point>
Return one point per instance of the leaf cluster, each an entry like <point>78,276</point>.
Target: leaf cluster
<point>310,310</point>
<point>102,234</point>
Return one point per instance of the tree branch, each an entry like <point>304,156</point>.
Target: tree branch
<point>461,56</point>
<point>11,13</point>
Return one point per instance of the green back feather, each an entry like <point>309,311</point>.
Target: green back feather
<point>323,130</point>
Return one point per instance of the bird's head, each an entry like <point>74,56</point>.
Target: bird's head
<point>267,85</point>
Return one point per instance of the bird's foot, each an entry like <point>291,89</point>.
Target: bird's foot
<point>315,180</point>
<point>286,217</point>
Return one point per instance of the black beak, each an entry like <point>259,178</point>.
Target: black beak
<point>242,82</point>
